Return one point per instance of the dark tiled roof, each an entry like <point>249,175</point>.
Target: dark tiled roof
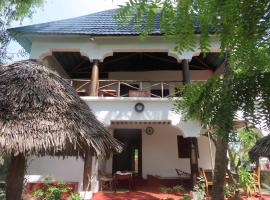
<point>100,23</point>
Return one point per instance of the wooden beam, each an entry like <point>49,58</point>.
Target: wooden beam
<point>194,167</point>
<point>78,66</point>
<point>202,62</point>
<point>161,59</point>
<point>119,58</point>
<point>198,67</point>
<point>220,69</point>
<point>185,71</point>
<point>87,171</point>
<point>15,177</point>
<point>94,79</point>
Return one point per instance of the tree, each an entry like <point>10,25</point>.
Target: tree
<point>239,159</point>
<point>13,10</point>
<point>243,31</point>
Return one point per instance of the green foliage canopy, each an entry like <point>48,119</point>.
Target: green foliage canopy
<point>13,10</point>
<point>240,24</point>
<point>243,30</point>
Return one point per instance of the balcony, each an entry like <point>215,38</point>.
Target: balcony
<point>128,88</point>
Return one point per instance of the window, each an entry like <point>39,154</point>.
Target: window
<point>184,146</point>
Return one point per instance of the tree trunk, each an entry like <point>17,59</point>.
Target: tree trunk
<point>87,172</point>
<point>194,161</point>
<point>220,169</point>
<point>15,177</point>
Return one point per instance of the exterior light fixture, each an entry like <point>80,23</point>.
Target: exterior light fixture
<point>139,107</point>
<point>149,130</point>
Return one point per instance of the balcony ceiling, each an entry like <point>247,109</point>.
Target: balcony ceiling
<point>78,66</point>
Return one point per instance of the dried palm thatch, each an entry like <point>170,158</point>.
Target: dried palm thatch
<point>41,114</point>
<point>261,148</point>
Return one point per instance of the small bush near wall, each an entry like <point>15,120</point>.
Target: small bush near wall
<point>49,190</point>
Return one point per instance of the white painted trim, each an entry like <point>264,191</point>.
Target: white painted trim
<point>91,98</point>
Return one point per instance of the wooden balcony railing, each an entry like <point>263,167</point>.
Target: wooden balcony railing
<point>128,88</point>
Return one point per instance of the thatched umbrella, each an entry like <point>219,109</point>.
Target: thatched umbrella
<point>260,149</point>
<point>41,114</point>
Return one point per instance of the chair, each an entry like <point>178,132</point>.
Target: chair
<point>207,183</point>
<point>106,181</point>
<point>257,179</point>
<point>124,176</point>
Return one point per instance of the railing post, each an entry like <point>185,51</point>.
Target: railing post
<point>119,89</point>
<point>94,86</point>
<point>141,86</point>
<point>162,89</point>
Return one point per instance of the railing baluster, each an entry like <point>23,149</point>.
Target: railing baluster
<point>162,89</point>
<point>80,84</point>
<point>119,89</point>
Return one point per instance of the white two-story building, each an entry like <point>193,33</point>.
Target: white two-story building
<point>127,83</point>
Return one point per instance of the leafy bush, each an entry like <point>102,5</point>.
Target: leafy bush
<point>178,188</point>
<point>247,181</point>
<point>174,189</point>
<point>52,191</point>
<point>199,188</point>
<point>229,190</point>
<point>74,196</point>
<point>187,197</point>
<point>165,190</point>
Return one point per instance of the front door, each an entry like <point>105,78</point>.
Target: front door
<point>131,157</point>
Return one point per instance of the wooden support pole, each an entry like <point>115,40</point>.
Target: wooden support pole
<point>194,168</point>
<point>87,172</point>
<point>185,70</point>
<point>15,177</point>
<point>94,79</point>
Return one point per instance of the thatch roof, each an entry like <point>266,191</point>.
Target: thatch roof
<point>261,148</point>
<point>41,114</point>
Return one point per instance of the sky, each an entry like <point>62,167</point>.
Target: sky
<point>62,9</point>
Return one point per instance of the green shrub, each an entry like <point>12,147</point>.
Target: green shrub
<point>74,196</point>
<point>247,181</point>
<point>168,198</point>
<point>165,190</point>
<point>178,189</point>
<point>187,197</point>
<point>52,191</point>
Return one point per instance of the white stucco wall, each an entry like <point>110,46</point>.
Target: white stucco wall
<point>69,169</point>
<point>120,108</point>
<point>101,47</point>
<point>160,151</point>
<point>159,157</point>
